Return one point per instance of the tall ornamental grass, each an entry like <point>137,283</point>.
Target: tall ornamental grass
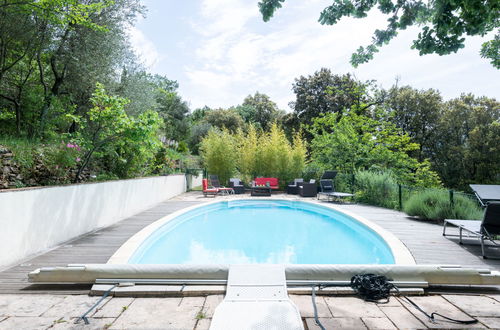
<point>254,153</point>
<point>219,153</point>
<point>434,204</point>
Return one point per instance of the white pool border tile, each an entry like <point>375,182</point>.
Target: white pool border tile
<point>402,256</point>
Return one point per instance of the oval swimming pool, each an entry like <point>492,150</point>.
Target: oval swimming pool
<point>264,231</point>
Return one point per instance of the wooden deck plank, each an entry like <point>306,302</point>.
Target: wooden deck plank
<point>95,247</point>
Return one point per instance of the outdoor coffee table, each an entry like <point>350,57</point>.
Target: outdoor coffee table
<point>261,191</point>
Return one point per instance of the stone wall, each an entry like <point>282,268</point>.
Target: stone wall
<point>10,175</point>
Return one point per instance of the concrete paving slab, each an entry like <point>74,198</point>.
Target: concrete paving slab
<point>438,304</point>
<point>190,302</point>
<point>203,324</point>
<point>336,323</point>
<point>402,318</point>
<point>114,307</point>
<point>378,323</point>
<point>490,322</point>
<point>494,296</point>
<point>32,323</point>
<point>71,307</point>
<point>393,302</point>
<point>148,290</point>
<point>475,305</point>
<point>211,302</point>
<point>155,313</point>
<point>27,305</point>
<point>94,324</point>
<point>305,306</point>
<point>352,307</point>
<point>197,290</point>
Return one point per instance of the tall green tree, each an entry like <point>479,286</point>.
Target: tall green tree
<point>259,109</point>
<point>466,148</point>
<point>174,110</point>
<point>356,142</point>
<point>445,23</point>
<point>107,130</point>
<point>325,92</point>
<point>417,113</point>
<point>228,119</point>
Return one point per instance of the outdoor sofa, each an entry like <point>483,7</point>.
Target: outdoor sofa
<point>268,182</point>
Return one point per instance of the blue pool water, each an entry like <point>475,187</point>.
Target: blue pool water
<point>265,231</point>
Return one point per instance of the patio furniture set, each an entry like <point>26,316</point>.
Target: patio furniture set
<point>265,187</point>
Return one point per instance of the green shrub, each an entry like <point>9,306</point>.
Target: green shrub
<point>376,188</point>
<point>23,150</point>
<point>312,171</point>
<point>435,204</point>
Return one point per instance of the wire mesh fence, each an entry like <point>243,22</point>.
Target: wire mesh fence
<point>382,189</point>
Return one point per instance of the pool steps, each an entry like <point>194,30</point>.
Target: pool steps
<point>256,298</point>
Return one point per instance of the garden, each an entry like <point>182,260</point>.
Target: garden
<point>77,105</point>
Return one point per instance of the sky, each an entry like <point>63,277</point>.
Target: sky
<point>220,51</point>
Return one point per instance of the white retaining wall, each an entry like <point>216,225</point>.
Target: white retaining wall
<point>34,220</point>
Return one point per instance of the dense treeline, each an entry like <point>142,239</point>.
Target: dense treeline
<point>76,103</point>
<point>353,125</point>
<point>74,97</point>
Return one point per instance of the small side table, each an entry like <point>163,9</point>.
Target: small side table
<point>261,191</point>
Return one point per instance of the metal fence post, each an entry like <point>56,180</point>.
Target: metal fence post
<point>353,179</point>
<point>452,201</point>
<point>400,196</point>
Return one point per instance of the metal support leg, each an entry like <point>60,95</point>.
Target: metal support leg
<point>444,228</point>
<point>460,242</point>
<point>482,247</point>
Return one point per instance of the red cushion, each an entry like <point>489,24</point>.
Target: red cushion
<point>273,182</point>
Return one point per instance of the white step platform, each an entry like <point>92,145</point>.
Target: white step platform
<point>256,298</point>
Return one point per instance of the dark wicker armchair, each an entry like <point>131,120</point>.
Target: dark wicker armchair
<point>293,187</point>
<point>237,186</point>
<point>308,189</point>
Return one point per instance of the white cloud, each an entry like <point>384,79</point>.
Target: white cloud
<point>144,48</point>
<point>238,54</point>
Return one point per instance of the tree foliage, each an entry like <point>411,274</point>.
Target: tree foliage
<point>356,142</point>
<point>417,113</point>
<point>254,153</point>
<point>325,92</point>
<point>445,23</point>
<point>259,109</point>
<point>108,131</point>
<point>466,148</point>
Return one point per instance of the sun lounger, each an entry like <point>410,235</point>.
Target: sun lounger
<point>214,181</point>
<point>327,189</point>
<point>486,192</point>
<point>484,230</point>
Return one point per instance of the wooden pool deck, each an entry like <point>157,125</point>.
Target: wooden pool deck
<point>423,239</point>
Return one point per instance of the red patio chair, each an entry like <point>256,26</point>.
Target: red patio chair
<point>208,190</point>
